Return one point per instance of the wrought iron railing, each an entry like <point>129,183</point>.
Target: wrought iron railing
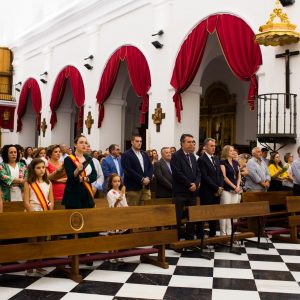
<point>276,115</point>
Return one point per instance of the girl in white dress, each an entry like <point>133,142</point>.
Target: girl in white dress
<point>116,198</point>
<point>38,196</point>
<point>116,195</point>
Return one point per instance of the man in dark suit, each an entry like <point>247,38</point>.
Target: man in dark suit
<point>211,180</point>
<point>186,180</point>
<point>163,174</point>
<point>112,163</point>
<point>138,172</point>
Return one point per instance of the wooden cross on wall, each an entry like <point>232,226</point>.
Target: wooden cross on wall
<point>89,122</point>
<point>44,127</point>
<point>158,116</point>
<point>287,55</point>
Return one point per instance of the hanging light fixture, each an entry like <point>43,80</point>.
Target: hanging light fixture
<point>277,33</point>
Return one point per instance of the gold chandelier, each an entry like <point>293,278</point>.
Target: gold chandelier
<point>277,34</point>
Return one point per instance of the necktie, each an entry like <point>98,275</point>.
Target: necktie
<point>213,162</point>
<point>189,160</point>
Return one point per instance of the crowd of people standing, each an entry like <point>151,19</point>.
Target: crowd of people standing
<point>42,176</point>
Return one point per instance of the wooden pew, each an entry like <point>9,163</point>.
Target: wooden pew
<point>278,209</point>
<point>19,205</point>
<point>159,201</point>
<point>277,200</point>
<point>20,225</point>
<point>293,206</point>
<point>204,213</point>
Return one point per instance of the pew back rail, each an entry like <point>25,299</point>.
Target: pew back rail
<point>149,226</point>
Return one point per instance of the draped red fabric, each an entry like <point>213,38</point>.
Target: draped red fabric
<point>139,75</point>
<point>237,41</point>
<point>242,53</point>
<point>187,63</point>
<point>30,86</point>
<point>73,75</point>
<point>107,83</point>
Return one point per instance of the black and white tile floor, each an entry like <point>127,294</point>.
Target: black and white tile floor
<point>255,274</point>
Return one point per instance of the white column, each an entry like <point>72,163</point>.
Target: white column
<point>111,131</point>
<point>161,68</point>
<point>91,80</point>
<point>190,115</point>
<point>46,90</point>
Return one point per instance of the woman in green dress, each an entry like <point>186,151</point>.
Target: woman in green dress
<point>12,174</point>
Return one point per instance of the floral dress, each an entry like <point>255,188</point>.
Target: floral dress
<point>6,180</point>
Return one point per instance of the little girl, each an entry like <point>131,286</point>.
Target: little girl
<point>116,198</point>
<point>38,195</point>
<point>116,195</point>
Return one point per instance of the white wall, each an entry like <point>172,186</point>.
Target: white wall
<point>62,130</point>
<point>100,27</point>
<point>28,133</point>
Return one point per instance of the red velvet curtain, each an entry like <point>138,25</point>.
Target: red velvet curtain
<point>187,63</point>
<point>237,41</point>
<point>242,53</point>
<point>107,83</point>
<point>139,75</point>
<point>30,86</point>
<point>73,75</point>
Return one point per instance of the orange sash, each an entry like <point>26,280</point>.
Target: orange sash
<point>86,184</point>
<point>40,196</point>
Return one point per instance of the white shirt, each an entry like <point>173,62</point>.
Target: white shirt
<point>140,158</point>
<point>210,157</point>
<point>15,191</point>
<point>112,197</point>
<point>100,177</point>
<point>116,162</point>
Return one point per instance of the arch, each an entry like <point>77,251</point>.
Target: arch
<point>236,39</point>
<point>73,75</point>
<point>139,75</point>
<point>32,87</point>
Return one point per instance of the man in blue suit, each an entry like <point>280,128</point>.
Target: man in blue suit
<point>138,172</point>
<point>112,163</point>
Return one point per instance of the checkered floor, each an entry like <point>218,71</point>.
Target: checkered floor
<point>255,274</point>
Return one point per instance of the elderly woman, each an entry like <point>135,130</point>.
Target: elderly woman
<point>12,174</point>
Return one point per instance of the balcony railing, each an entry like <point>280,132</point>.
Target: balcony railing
<point>276,118</point>
<point>5,92</point>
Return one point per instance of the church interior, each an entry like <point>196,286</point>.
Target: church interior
<point>158,69</point>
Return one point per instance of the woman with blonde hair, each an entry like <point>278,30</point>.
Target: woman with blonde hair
<point>232,180</point>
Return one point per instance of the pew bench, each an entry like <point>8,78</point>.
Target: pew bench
<point>293,206</point>
<point>278,210</point>
<point>156,222</point>
<point>205,213</point>
<point>159,201</point>
<point>19,205</point>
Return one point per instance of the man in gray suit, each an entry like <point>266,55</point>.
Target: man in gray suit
<point>258,179</point>
<point>163,174</point>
